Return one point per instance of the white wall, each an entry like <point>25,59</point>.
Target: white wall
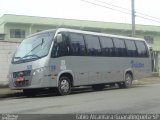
<point>6,51</point>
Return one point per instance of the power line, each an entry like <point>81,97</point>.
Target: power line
<point>127,9</point>
<point>112,5</point>
<point>148,15</point>
<point>148,18</point>
<point>105,6</point>
<point>140,16</point>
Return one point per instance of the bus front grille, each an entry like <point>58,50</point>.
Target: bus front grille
<point>21,84</point>
<point>25,73</point>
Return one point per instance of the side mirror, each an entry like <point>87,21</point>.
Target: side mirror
<point>59,38</point>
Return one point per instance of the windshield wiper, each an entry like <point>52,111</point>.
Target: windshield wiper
<point>17,57</point>
<point>21,59</point>
<point>34,49</point>
<point>33,55</point>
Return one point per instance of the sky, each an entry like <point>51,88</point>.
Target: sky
<point>86,10</point>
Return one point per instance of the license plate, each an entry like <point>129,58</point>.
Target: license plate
<point>19,79</point>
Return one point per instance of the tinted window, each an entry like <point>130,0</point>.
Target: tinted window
<point>93,45</point>
<point>107,46</point>
<point>77,44</point>
<point>120,49</point>
<point>17,33</point>
<point>131,48</point>
<point>142,52</point>
<point>60,48</point>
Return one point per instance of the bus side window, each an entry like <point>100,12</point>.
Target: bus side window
<point>93,45</point>
<point>60,48</point>
<point>107,46</point>
<point>120,48</point>
<point>77,44</point>
<point>131,48</point>
<point>142,51</point>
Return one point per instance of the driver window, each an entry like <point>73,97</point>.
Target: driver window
<point>60,48</point>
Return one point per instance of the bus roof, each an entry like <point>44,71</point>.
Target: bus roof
<point>41,32</point>
<point>96,33</point>
<point>87,32</point>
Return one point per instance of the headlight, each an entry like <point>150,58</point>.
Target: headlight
<point>39,70</point>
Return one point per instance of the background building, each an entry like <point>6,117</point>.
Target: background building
<point>14,28</point>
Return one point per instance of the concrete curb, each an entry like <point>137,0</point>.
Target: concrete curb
<point>11,95</point>
<point>4,86</point>
<point>6,92</point>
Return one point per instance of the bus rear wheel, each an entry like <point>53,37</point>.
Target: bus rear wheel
<point>64,86</point>
<point>128,81</point>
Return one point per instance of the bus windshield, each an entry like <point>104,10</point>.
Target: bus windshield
<point>33,48</point>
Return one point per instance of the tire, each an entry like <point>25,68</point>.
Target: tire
<point>64,86</point>
<point>98,87</point>
<point>29,92</point>
<point>128,81</point>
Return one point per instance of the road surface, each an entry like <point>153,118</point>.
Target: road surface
<point>138,99</point>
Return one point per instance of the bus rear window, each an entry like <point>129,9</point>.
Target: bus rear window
<point>141,48</point>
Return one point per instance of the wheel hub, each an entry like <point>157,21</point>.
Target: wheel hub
<point>64,86</point>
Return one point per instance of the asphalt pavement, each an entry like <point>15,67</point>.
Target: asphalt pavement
<point>142,98</point>
<point>138,99</point>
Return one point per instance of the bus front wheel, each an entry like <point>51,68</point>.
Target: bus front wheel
<point>64,86</point>
<point>128,81</point>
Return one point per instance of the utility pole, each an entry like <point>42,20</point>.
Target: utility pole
<point>133,18</point>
